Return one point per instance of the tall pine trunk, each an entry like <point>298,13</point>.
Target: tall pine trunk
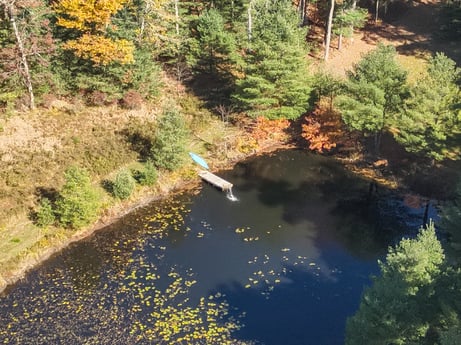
<point>328,29</point>
<point>376,11</point>
<point>302,7</point>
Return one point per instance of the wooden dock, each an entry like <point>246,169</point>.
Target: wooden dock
<point>215,180</point>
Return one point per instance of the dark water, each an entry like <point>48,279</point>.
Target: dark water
<point>288,260</point>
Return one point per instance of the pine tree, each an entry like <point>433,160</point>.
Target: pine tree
<point>275,83</point>
<point>375,93</point>
<point>214,45</point>
<point>78,203</point>
<point>400,306</point>
<point>431,120</point>
<point>168,149</point>
<point>451,224</point>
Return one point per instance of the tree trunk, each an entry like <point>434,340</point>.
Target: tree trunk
<point>302,11</point>
<point>22,54</point>
<point>328,30</point>
<point>376,11</point>
<point>176,14</point>
<point>426,213</point>
<point>353,6</point>
<point>377,140</point>
<point>250,22</point>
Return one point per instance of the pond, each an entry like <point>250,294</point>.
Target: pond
<point>285,264</point>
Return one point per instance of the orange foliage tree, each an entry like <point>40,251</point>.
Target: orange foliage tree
<point>269,129</point>
<point>92,18</point>
<point>322,129</point>
<point>318,141</point>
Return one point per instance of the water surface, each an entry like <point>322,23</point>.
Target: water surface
<point>289,258</point>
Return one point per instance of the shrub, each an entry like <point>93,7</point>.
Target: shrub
<point>96,98</point>
<point>45,215</point>
<point>168,149</point>
<point>123,184</point>
<point>78,203</point>
<point>149,176</point>
<point>131,100</point>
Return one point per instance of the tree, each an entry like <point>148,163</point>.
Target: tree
<point>92,21</point>
<point>26,45</point>
<point>348,19</point>
<point>431,121</point>
<point>123,184</point>
<point>78,203</point>
<point>168,149</point>
<point>328,29</point>
<point>400,306</point>
<point>214,44</point>
<point>374,94</point>
<point>451,224</point>
<point>275,83</point>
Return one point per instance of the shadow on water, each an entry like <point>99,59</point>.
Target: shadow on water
<point>337,203</point>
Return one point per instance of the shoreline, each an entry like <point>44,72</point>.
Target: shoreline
<point>32,260</point>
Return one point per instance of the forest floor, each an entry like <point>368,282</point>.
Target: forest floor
<point>413,31</point>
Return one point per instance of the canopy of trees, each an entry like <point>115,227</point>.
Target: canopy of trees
<point>415,300</point>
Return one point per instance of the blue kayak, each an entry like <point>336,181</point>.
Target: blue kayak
<point>199,160</point>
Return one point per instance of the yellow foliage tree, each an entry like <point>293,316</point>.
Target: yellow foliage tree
<point>92,18</point>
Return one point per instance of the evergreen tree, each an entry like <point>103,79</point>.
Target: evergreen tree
<point>168,149</point>
<point>123,184</point>
<point>275,83</point>
<point>400,306</point>
<point>214,45</point>
<point>430,120</point>
<point>451,224</point>
<point>78,203</point>
<point>348,19</point>
<point>374,94</point>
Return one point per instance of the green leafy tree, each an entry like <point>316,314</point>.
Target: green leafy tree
<point>275,83</point>
<point>431,121</point>
<point>123,184</point>
<point>78,203</point>
<point>169,146</point>
<point>400,306</point>
<point>375,93</point>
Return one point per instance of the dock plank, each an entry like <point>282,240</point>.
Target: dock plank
<point>215,180</point>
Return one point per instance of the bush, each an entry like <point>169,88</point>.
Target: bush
<point>131,100</point>
<point>96,98</point>
<point>168,149</point>
<point>123,184</point>
<point>149,176</point>
<point>78,203</point>
<point>45,214</point>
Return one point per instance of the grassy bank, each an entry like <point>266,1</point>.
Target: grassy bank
<point>37,147</point>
